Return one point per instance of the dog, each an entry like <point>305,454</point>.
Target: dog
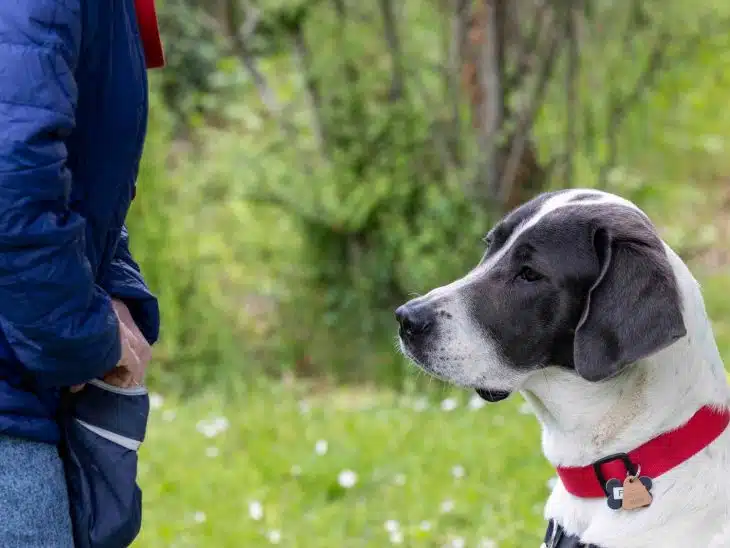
<point>579,305</point>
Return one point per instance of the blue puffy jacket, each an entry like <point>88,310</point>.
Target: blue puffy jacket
<point>73,114</point>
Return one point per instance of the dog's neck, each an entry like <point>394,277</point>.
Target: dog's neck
<point>583,421</point>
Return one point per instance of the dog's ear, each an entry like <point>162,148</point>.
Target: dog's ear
<point>632,310</point>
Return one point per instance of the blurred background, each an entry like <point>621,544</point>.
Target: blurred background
<point>310,165</point>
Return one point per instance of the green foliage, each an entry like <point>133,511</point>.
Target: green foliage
<point>177,262</point>
<point>199,76</point>
<point>277,251</point>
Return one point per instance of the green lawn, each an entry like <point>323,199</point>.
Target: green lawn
<point>269,467</point>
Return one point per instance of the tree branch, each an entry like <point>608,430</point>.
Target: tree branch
<point>571,93</point>
<point>621,106</point>
<point>351,73</point>
<point>528,47</point>
<point>524,125</point>
<point>390,27</point>
<point>491,83</point>
<point>302,56</point>
<point>438,131</point>
<point>455,59</point>
<point>239,35</point>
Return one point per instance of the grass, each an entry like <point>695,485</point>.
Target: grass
<point>268,468</point>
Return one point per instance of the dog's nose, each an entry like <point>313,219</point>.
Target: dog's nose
<point>414,320</point>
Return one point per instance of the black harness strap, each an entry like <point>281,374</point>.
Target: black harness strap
<point>556,537</point>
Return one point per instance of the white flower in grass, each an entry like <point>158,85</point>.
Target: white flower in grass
<point>213,427</point>
<point>475,402</point>
<point>425,525</point>
<point>449,404</point>
<point>304,407</point>
<point>274,536</point>
<point>458,471</point>
<point>156,400</point>
<point>391,525</point>
<point>255,510</point>
<point>420,405</point>
<point>457,542</point>
<point>447,506</point>
<point>487,543</point>
<point>199,517</point>
<point>321,447</point>
<point>347,479</point>
<point>396,537</point>
<point>399,479</point>
<point>168,415</point>
<point>212,452</point>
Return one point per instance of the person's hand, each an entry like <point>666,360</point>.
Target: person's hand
<point>136,352</point>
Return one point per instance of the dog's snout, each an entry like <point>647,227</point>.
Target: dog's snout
<point>414,320</point>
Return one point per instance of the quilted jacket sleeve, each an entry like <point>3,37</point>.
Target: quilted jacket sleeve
<point>123,281</point>
<point>59,323</point>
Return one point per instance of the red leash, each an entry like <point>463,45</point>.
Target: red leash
<point>149,30</point>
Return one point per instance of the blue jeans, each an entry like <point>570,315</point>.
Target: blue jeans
<point>34,511</point>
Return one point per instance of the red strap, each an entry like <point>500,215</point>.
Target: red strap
<point>149,30</point>
<point>655,457</point>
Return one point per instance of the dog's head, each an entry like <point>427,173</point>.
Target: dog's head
<point>576,279</point>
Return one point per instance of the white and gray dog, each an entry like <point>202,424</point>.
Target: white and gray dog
<point>580,306</point>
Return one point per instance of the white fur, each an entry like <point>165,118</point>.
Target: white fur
<point>582,421</point>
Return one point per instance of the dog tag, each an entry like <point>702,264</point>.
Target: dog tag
<point>615,490</point>
<point>636,493</point>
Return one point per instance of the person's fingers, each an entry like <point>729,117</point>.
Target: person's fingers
<point>119,376</point>
<point>132,335</point>
<point>136,351</point>
<point>143,351</point>
<point>129,346</point>
<point>125,317</point>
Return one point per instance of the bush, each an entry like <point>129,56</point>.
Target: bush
<point>177,261</point>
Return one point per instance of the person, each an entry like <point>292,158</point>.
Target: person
<point>73,303</point>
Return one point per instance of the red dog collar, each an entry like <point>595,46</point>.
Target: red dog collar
<point>655,457</point>
<point>154,54</point>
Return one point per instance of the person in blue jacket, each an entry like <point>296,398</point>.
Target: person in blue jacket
<point>73,304</point>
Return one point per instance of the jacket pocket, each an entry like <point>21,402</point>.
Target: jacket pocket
<point>103,427</point>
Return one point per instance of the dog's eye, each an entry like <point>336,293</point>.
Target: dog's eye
<point>529,275</point>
